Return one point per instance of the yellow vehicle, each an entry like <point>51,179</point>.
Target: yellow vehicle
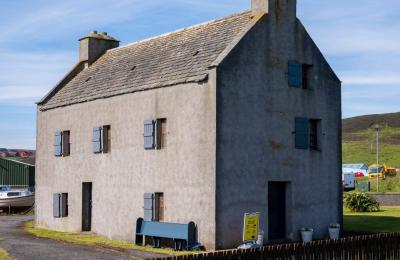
<point>381,170</point>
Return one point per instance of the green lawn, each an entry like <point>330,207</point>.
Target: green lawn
<point>386,220</point>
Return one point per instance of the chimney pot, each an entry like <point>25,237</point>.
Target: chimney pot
<point>93,32</point>
<point>104,33</point>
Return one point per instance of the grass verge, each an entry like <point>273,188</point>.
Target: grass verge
<point>95,240</point>
<point>4,255</point>
<point>386,220</point>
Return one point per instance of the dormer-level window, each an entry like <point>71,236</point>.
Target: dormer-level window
<point>299,75</point>
<point>307,133</point>
<point>155,134</point>
<point>101,141</point>
<point>62,143</point>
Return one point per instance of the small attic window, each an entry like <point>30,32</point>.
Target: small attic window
<point>133,68</point>
<point>89,78</point>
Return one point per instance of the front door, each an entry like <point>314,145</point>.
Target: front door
<point>277,210</point>
<point>86,206</point>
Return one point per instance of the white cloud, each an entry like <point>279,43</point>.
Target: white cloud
<point>371,80</point>
<point>357,26</point>
<point>14,93</point>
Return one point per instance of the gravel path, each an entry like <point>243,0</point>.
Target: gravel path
<point>21,245</point>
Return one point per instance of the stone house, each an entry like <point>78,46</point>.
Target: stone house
<point>240,114</point>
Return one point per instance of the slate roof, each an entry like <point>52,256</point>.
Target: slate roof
<point>178,57</point>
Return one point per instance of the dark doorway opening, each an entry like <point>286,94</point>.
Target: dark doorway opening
<point>277,210</point>
<point>86,206</point>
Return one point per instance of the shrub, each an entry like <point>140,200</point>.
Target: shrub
<point>360,202</point>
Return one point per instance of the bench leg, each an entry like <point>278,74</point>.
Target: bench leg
<point>156,242</point>
<point>178,244</point>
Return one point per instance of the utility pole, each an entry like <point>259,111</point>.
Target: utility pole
<point>377,156</point>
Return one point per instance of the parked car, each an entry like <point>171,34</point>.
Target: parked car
<point>23,154</point>
<point>359,174</point>
<point>4,152</point>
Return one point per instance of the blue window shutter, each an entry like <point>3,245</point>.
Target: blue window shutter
<point>302,130</point>
<point>295,74</point>
<point>58,143</point>
<point>148,206</point>
<point>149,135</point>
<point>56,205</point>
<point>96,141</point>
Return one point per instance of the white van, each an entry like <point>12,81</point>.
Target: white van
<point>348,180</point>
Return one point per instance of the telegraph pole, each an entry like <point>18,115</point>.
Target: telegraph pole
<point>377,156</point>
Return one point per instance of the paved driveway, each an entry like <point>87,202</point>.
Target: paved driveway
<point>21,245</point>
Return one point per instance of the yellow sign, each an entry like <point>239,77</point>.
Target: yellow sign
<point>250,229</point>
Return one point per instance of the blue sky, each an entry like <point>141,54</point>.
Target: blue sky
<point>39,44</point>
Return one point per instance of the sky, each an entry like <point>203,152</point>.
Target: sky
<point>39,45</point>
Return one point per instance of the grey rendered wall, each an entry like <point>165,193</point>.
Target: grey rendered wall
<point>184,171</point>
<point>255,122</point>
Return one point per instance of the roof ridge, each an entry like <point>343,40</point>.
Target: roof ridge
<point>180,30</point>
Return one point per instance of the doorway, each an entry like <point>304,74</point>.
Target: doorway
<point>86,206</point>
<point>277,210</point>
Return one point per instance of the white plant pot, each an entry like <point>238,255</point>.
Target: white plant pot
<point>306,236</point>
<point>260,240</point>
<point>334,233</point>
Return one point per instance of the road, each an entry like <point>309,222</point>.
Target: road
<point>21,245</point>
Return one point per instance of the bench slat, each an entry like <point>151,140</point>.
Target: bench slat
<point>165,230</point>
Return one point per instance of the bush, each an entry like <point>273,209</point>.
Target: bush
<point>360,202</point>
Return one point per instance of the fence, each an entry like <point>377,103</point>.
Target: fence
<point>377,246</point>
<point>16,174</point>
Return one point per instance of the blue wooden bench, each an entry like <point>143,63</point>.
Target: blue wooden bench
<point>184,235</point>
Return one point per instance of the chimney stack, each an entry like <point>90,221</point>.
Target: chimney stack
<point>285,9</point>
<point>94,45</point>
<point>259,6</point>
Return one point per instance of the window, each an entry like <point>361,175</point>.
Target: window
<point>101,141</point>
<point>299,75</point>
<point>314,134</point>
<point>60,205</point>
<point>159,206</point>
<point>307,132</point>
<point>62,143</point>
<point>154,206</point>
<point>161,127</point>
<point>155,134</point>
<point>306,77</point>
<point>66,143</point>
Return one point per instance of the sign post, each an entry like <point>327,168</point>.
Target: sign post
<point>251,226</point>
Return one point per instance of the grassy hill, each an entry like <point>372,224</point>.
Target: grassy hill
<point>359,139</point>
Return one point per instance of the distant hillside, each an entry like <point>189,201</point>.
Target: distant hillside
<point>361,128</point>
<point>360,123</point>
<point>359,139</point>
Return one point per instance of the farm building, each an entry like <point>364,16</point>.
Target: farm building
<point>16,174</point>
<point>356,166</point>
<point>240,114</point>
